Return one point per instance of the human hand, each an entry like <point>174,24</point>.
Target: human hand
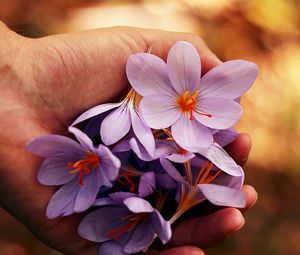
<point>45,84</point>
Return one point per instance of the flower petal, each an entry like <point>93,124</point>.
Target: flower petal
<point>95,111</point>
<point>181,158</point>
<point>104,201</point>
<point>120,196</point>
<point>148,74</point>
<point>84,140</point>
<point>223,196</point>
<point>63,201</point>
<point>171,151</point>
<point>142,132</point>
<point>122,146</point>
<point>226,136</point>
<point>55,171</point>
<point>116,125</point>
<point>159,111</point>
<point>111,247</point>
<point>55,146</point>
<point>161,227</point>
<point>139,150</point>
<point>96,225</point>
<point>184,67</point>
<point>225,112</point>
<point>171,170</point>
<point>138,205</point>
<point>87,193</point>
<point>166,182</point>
<point>219,157</point>
<point>147,184</point>
<point>109,163</point>
<point>140,239</point>
<point>229,80</point>
<point>234,182</point>
<point>190,134</point>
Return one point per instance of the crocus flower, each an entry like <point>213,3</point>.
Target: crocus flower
<point>215,154</point>
<point>132,224</point>
<point>123,117</point>
<point>176,96</point>
<point>216,178</point>
<point>80,168</point>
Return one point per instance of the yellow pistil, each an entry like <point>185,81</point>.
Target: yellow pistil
<point>90,162</point>
<point>187,104</point>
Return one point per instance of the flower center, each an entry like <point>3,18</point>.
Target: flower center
<point>90,162</point>
<point>187,104</point>
<point>127,177</point>
<point>189,196</point>
<point>131,222</point>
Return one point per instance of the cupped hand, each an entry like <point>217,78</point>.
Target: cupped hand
<point>46,83</point>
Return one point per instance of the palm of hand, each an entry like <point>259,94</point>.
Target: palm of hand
<point>57,78</point>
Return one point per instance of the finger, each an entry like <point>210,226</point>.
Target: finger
<point>164,40</point>
<point>250,195</point>
<point>206,231</point>
<point>184,250</point>
<point>217,226</point>
<point>240,148</point>
<point>8,248</point>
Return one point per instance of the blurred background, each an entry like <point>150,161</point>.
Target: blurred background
<point>264,31</point>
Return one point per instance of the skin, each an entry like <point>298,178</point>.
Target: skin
<point>45,84</point>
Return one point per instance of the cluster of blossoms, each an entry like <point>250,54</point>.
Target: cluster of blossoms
<point>139,164</point>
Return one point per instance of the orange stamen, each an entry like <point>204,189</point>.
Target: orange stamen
<point>204,176</point>
<point>206,173</point>
<point>200,173</point>
<point>127,174</point>
<point>187,104</point>
<point>90,162</point>
<point>211,178</point>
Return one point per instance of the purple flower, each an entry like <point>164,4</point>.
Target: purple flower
<point>174,95</point>
<point>119,121</point>
<point>80,168</point>
<point>133,224</point>
<point>216,178</point>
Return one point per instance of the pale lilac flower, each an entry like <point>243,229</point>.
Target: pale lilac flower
<point>174,95</point>
<point>123,117</point>
<point>216,178</point>
<point>80,168</point>
<point>132,224</point>
<point>215,154</point>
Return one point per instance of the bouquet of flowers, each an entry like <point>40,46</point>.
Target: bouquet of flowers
<point>136,166</point>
